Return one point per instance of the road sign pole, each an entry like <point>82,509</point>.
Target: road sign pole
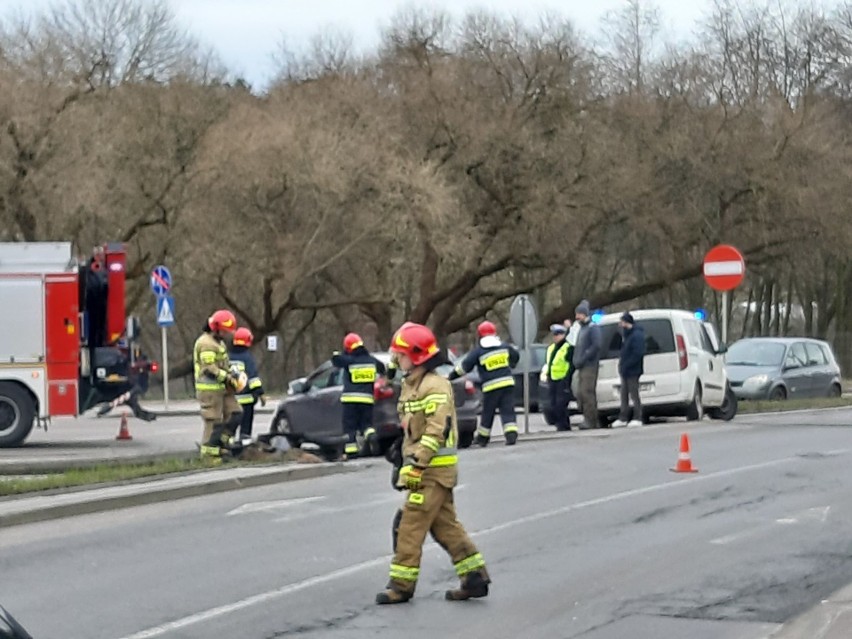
<point>165,368</point>
<point>725,316</point>
<point>526,348</point>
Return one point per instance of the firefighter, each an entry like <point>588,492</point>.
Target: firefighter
<point>215,384</point>
<point>242,361</point>
<point>494,361</point>
<point>429,473</point>
<point>555,372</point>
<point>360,372</point>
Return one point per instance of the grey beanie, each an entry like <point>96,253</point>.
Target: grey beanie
<point>583,307</point>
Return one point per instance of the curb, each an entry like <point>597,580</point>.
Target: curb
<point>40,467</point>
<point>144,497</point>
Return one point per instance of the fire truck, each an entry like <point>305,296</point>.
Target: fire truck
<point>66,343</point>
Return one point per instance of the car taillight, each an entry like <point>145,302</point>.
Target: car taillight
<point>154,367</point>
<point>469,388</point>
<point>681,352</point>
<point>380,391</point>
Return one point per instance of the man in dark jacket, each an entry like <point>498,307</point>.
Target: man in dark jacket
<point>630,369</point>
<point>587,354</point>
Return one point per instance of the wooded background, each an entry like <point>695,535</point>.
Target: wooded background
<point>459,164</point>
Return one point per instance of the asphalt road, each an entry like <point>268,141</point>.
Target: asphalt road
<point>591,537</point>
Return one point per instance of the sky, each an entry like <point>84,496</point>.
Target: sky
<point>247,32</point>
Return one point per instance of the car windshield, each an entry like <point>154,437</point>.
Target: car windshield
<point>755,354</point>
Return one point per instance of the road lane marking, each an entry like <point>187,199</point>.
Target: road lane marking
<point>261,506</point>
<point>264,597</point>
<point>820,514</point>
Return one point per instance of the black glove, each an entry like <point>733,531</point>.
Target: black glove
<point>453,375</point>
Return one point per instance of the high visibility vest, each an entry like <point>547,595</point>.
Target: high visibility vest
<point>209,355</point>
<point>557,365</point>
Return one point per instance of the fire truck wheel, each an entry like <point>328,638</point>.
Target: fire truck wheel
<point>17,414</point>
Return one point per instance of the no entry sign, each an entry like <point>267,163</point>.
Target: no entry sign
<point>724,268</point>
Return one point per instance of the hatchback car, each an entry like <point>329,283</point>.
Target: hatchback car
<point>781,368</point>
<point>312,409</point>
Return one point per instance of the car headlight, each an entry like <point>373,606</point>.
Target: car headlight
<point>757,381</point>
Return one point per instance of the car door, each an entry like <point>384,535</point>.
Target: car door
<point>820,374</point>
<point>709,373</point>
<point>795,373</point>
<point>316,411</point>
<point>717,377</point>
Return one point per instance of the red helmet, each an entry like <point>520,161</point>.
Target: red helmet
<point>486,328</point>
<point>222,320</point>
<point>416,341</point>
<point>243,337</point>
<point>351,342</point>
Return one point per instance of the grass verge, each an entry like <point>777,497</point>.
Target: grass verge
<point>103,474</point>
<point>766,406</point>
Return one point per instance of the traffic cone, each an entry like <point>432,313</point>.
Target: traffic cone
<point>684,463</point>
<point>124,431</point>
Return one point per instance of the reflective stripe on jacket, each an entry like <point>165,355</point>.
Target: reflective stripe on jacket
<point>557,362</point>
<point>210,361</point>
<point>494,364</point>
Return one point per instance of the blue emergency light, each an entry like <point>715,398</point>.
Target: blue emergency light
<point>597,316</point>
<point>700,314</point>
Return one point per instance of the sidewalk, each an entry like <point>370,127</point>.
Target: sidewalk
<point>830,619</point>
<point>29,508</point>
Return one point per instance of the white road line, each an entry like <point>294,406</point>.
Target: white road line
<point>262,506</point>
<point>212,613</point>
<point>819,514</point>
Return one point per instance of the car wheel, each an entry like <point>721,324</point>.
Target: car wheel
<point>835,391</point>
<point>695,409</point>
<point>778,394</point>
<point>728,410</point>
<point>17,414</point>
<point>280,425</point>
<point>465,439</point>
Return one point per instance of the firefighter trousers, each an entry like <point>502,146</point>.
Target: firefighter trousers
<point>431,508</point>
<point>502,399</point>
<point>357,418</point>
<point>247,422</point>
<point>219,412</point>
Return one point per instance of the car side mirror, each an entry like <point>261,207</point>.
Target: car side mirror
<point>298,386</point>
<point>11,629</point>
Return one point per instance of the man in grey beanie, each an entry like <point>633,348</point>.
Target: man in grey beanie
<point>587,354</point>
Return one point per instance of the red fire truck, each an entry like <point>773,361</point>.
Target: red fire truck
<point>66,344</point>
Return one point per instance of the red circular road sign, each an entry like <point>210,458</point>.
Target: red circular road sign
<point>724,268</point>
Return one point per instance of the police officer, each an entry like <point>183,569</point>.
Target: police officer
<point>215,384</point>
<point>556,368</point>
<point>243,362</point>
<point>429,473</point>
<point>360,371</point>
<point>494,360</point>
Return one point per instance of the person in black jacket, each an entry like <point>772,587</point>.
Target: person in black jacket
<point>360,372</point>
<point>243,361</point>
<point>494,361</point>
<point>630,369</point>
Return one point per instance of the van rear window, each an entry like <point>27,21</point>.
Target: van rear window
<point>659,338</point>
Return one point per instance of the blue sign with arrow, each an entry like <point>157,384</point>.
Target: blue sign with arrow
<point>161,281</point>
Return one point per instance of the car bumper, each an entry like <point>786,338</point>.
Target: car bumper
<point>750,393</point>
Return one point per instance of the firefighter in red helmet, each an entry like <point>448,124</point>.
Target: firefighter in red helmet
<point>243,361</point>
<point>494,361</point>
<point>360,372</point>
<point>215,384</point>
<point>429,472</point>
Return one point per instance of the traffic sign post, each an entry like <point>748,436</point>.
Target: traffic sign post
<point>161,286</point>
<point>724,270</point>
<point>523,327</point>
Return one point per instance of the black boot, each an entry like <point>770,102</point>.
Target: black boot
<point>481,440</point>
<point>511,438</point>
<point>474,585</point>
<point>391,595</point>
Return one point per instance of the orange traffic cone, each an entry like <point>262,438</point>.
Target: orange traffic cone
<point>684,463</point>
<point>124,431</point>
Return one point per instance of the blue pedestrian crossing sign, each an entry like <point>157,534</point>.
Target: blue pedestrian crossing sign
<point>161,281</point>
<point>165,311</point>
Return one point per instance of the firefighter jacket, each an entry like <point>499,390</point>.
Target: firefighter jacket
<point>494,360</point>
<point>427,413</point>
<point>558,360</point>
<point>242,361</point>
<point>360,370</point>
<point>210,359</point>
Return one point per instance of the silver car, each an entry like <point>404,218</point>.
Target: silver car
<point>782,368</point>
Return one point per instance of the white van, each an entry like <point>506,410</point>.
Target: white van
<point>684,368</point>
